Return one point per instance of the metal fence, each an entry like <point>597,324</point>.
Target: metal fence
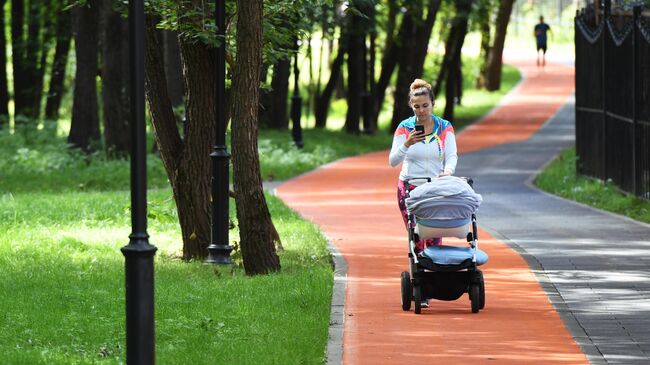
<point>613,98</point>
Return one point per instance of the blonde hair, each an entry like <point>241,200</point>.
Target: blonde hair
<point>420,87</point>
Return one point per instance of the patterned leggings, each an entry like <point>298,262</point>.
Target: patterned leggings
<point>401,196</point>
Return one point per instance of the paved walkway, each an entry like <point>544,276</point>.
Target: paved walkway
<point>590,264</point>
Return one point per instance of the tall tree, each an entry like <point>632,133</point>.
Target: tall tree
<point>57,74</point>
<point>30,46</point>
<point>415,34</point>
<point>17,53</point>
<point>114,82</point>
<point>277,115</point>
<point>483,13</point>
<point>255,225</point>
<point>186,161</point>
<point>495,56</point>
<point>47,11</point>
<point>193,175</point>
<point>84,129</point>
<point>356,51</point>
<point>451,69</point>
<point>322,99</point>
<point>390,54</point>
<point>4,89</point>
<point>360,24</point>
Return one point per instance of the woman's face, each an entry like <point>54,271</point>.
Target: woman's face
<point>422,107</point>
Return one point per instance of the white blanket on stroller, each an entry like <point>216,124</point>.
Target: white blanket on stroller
<point>444,198</point>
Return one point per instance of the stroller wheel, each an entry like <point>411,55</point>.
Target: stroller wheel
<point>417,298</point>
<point>475,297</point>
<point>407,291</point>
<point>481,291</point>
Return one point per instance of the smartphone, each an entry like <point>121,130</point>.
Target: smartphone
<point>419,128</point>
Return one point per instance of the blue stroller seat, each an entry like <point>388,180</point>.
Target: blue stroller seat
<point>454,255</point>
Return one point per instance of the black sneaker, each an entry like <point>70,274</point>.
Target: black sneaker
<point>424,303</point>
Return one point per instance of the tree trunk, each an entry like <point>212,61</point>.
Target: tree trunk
<point>27,50</point>
<point>173,67</point>
<point>453,87</point>
<point>195,170</point>
<point>255,225</point>
<point>84,128</point>
<point>355,79</point>
<point>17,53</point>
<point>484,13</point>
<point>495,57</point>
<point>4,89</point>
<point>453,56</point>
<point>114,85</point>
<point>322,101</point>
<point>48,35</point>
<point>187,162</point>
<point>57,75</point>
<point>405,73</point>
<point>388,60</point>
<point>372,87</point>
<point>453,46</point>
<point>278,118</point>
<point>415,35</point>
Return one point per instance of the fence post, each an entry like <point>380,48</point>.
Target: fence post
<point>578,57</point>
<point>637,13</point>
<point>606,12</point>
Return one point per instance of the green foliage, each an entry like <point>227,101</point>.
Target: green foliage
<point>284,22</point>
<point>40,162</point>
<point>280,159</point>
<point>560,178</point>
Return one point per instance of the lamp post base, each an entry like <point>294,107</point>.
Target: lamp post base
<point>219,254</point>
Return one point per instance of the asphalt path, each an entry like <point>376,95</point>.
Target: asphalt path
<point>593,265</point>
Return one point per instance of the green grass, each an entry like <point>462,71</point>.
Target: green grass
<point>64,218</point>
<point>63,285</point>
<point>560,178</point>
<point>280,159</point>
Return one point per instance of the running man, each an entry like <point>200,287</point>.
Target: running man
<point>540,35</point>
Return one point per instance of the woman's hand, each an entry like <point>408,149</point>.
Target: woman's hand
<point>413,138</point>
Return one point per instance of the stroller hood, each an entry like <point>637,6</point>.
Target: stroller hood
<point>444,198</point>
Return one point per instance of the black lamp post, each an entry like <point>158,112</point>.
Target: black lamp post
<point>138,254</point>
<point>296,104</point>
<point>219,248</point>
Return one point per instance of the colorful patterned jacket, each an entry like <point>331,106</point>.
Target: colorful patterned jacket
<point>436,154</point>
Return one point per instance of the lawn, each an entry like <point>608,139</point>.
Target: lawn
<point>560,178</point>
<point>64,219</point>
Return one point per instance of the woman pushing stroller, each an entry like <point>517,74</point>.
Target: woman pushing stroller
<point>425,144</point>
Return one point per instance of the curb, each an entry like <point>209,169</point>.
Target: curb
<point>334,351</point>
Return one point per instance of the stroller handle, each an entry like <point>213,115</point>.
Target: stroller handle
<point>408,181</point>
<point>469,180</point>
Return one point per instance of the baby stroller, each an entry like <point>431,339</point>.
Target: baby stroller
<point>443,272</point>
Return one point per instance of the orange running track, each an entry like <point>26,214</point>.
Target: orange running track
<point>354,203</point>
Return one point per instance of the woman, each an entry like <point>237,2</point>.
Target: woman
<point>428,154</point>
